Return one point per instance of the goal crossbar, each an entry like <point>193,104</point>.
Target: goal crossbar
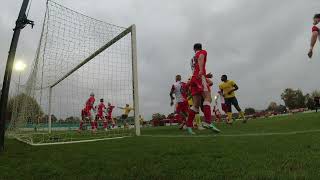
<point>93,55</point>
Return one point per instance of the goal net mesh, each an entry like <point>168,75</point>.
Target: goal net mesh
<point>67,39</point>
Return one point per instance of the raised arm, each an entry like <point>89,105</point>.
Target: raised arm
<point>201,63</point>
<point>313,41</point>
<point>171,95</point>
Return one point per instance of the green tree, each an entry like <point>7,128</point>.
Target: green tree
<point>281,109</point>
<point>158,116</point>
<point>249,111</point>
<point>293,99</point>
<point>315,93</point>
<point>24,108</point>
<point>310,104</point>
<point>272,106</point>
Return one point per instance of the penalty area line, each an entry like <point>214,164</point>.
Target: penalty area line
<point>234,135</point>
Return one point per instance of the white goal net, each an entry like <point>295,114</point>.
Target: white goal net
<point>77,55</point>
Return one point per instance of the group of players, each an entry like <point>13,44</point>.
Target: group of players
<point>102,113</point>
<point>198,90</point>
<point>195,94</point>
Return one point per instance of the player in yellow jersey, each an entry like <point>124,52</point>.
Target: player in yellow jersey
<point>228,88</point>
<point>126,111</point>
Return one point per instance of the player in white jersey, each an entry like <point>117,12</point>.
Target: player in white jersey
<point>315,33</point>
<point>180,91</point>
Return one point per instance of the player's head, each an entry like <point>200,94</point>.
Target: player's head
<point>197,47</point>
<point>92,94</point>
<point>316,19</point>
<point>127,105</point>
<point>101,100</point>
<point>224,78</point>
<point>178,77</point>
<point>109,104</point>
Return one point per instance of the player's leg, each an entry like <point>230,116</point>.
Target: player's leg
<point>81,124</point>
<point>228,108</point>
<point>182,113</point>
<point>199,122</point>
<point>105,123</point>
<point>124,118</point>
<point>92,122</point>
<point>236,105</point>
<point>96,123</point>
<point>178,114</point>
<point>207,108</point>
<point>192,112</point>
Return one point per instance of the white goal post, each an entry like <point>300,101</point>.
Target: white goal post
<point>132,30</point>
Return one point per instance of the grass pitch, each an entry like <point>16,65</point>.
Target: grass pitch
<point>286,147</point>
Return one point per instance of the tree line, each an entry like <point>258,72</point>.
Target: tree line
<point>293,99</point>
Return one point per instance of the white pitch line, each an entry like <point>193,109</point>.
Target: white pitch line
<point>70,142</point>
<point>234,135</point>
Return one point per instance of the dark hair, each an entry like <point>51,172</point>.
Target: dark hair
<point>224,76</point>
<point>101,100</point>
<point>317,16</point>
<point>197,46</point>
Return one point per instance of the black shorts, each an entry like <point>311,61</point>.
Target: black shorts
<point>229,102</point>
<point>124,116</point>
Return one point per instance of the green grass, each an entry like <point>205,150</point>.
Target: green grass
<point>295,156</point>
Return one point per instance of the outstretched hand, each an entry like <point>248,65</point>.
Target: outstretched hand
<point>310,53</point>
<point>209,75</point>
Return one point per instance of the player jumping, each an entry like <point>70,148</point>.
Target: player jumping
<point>109,117</point>
<point>180,91</point>
<point>101,108</point>
<point>228,87</point>
<point>124,116</point>
<point>86,113</point>
<point>199,90</point>
<point>315,33</point>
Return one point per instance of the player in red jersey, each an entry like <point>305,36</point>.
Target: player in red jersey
<point>315,33</point>
<point>180,90</point>
<point>109,117</point>
<point>101,108</point>
<point>200,89</point>
<point>88,109</point>
<point>86,113</point>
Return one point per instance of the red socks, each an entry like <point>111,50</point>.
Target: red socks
<point>207,112</point>
<point>105,124</point>
<point>81,125</point>
<point>92,125</point>
<point>190,119</point>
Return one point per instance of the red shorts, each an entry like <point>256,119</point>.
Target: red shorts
<point>182,107</point>
<point>198,85</point>
<point>224,107</point>
<point>108,117</point>
<point>100,115</point>
<point>85,113</point>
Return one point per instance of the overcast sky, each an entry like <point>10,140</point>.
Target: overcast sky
<point>260,44</point>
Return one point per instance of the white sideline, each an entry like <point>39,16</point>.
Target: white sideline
<point>233,135</point>
<point>69,142</point>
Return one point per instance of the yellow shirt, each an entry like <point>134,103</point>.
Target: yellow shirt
<point>126,110</point>
<point>190,102</point>
<point>226,87</point>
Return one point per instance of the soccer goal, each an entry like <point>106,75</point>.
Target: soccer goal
<point>77,55</point>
